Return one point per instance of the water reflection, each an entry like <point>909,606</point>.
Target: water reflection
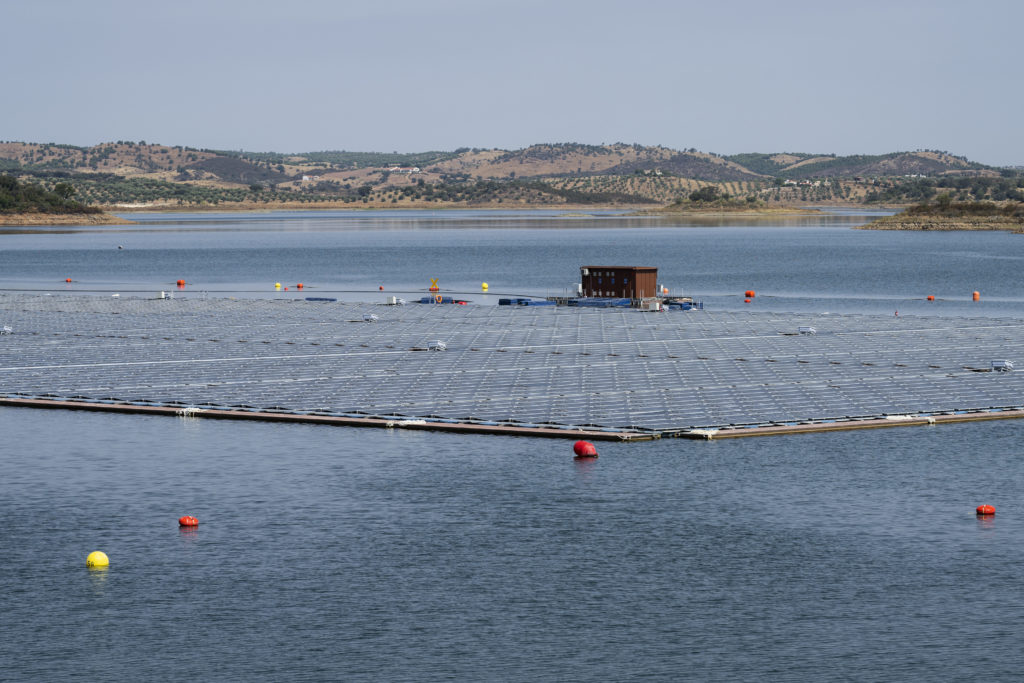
<point>98,580</point>
<point>986,522</point>
<point>188,535</point>
<point>585,468</point>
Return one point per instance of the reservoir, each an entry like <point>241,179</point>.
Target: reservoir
<point>367,555</point>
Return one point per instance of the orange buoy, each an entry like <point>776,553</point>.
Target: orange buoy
<point>181,283</point>
<point>381,288</point>
<point>986,510</point>
<point>584,449</point>
<point>976,296</point>
<point>746,301</point>
<point>299,286</point>
<point>750,294</point>
<point>931,297</point>
<point>188,521</point>
<point>67,279</point>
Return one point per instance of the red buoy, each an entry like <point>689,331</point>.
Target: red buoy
<point>299,286</point>
<point>188,521</point>
<point>986,510</point>
<point>976,296</point>
<point>931,297</point>
<point>750,294</point>
<point>67,279</point>
<point>584,449</point>
<point>746,301</point>
<point>381,288</point>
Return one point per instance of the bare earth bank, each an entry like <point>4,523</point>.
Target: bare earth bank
<point>15,219</point>
<point>904,222</point>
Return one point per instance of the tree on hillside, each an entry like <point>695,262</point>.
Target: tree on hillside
<point>18,197</point>
<point>708,193</point>
<point>64,190</point>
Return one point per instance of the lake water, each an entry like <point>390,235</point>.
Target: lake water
<point>802,263</point>
<point>375,555</point>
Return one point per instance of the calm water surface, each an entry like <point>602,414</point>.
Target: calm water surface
<point>372,555</point>
<point>815,263</point>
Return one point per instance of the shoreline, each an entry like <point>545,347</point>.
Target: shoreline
<point>738,211</point>
<point>943,223</point>
<point>108,217</point>
<point>44,219</point>
<point>261,207</point>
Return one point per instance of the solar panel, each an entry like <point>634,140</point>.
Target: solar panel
<point>610,368</point>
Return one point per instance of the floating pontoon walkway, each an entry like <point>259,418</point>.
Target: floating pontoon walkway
<point>543,371</point>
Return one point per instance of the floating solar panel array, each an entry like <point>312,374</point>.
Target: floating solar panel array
<point>614,369</point>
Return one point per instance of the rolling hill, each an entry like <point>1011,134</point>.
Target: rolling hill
<point>126,173</point>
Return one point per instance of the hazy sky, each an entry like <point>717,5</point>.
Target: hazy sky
<point>723,76</point>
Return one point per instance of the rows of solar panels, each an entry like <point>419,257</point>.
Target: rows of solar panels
<point>604,368</point>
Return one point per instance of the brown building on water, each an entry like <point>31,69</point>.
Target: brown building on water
<point>626,282</point>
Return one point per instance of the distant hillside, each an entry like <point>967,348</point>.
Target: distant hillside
<point>689,165</point>
<point>349,160</point>
<point>131,174</point>
<point>768,164</point>
<point>549,160</point>
<point>571,159</point>
<point>234,170</point>
<point>118,157</point>
<point>798,166</point>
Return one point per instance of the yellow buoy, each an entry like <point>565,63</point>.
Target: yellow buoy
<point>97,560</point>
<point>484,286</point>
